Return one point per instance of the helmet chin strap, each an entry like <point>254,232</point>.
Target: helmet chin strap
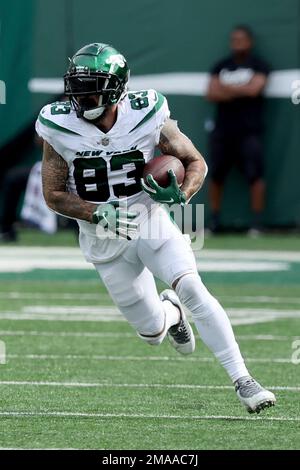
<point>95,113</point>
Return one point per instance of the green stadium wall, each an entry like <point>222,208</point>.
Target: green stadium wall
<point>157,37</point>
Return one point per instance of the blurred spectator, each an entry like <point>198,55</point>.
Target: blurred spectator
<point>35,212</point>
<point>14,184</point>
<point>17,179</point>
<point>236,85</point>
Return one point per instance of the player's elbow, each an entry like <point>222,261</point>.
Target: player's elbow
<point>204,168</point>
<point>52,198</point>
<point>200,167</point>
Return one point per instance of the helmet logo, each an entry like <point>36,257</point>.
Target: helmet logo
<point>115,61</point>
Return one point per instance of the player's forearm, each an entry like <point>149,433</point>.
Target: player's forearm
<point>195,174</point>
<point>174,142</point>
<point>54,175</point>
<point>70,205</point>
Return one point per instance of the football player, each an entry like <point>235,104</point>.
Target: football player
<point>95,149</point>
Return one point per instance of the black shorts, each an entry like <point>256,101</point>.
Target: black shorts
<point>243,151</point>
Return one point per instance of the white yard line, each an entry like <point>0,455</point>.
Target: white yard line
<point>40,448</point>
<point>72,414</point>
<point>71,253</point>
<point>289,256</point>
<point>238,266</point>
<point>134,385</point>
<point>204,265</point>
<point>64,313</point>
<point>139,358</point>
<point>16,295</point>
<point>71,309</point>
<point>238,316</point>
<point>26,259</point>
<point>66,318</point>
<point>260,299</point>
<point>88,334</point>
<point>63,334</point>
<point>266,338</point>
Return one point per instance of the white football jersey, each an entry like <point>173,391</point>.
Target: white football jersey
<point>106,166</point>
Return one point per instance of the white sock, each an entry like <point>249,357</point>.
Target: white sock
<point>172,314</point>
<point>212,324</point>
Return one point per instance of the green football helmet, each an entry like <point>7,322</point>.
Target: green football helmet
<point>96,69</point>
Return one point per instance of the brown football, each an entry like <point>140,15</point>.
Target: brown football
<point>159,166</point>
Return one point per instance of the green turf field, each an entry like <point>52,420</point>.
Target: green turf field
<point>77,376</point>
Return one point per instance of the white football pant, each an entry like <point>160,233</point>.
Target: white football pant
<point>129,280</point>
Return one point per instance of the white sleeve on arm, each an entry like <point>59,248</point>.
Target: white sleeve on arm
<point>161,115</point>
<point>46,129</point>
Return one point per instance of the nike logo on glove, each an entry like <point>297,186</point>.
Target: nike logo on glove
<point>167,202</point>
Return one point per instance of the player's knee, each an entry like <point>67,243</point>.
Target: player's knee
<point>123,296</point>
<point>189,287</point>
<point>195,296</point>
<point>179,278</point>
<point>144,314</point>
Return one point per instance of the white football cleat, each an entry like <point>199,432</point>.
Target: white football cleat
<point>252,395</point>
<point>181,336</point>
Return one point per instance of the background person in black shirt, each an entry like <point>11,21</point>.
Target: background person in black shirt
<point>237,84</point>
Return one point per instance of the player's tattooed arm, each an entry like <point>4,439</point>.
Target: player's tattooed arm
<point>174,142</point>
<point>55,175</point>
